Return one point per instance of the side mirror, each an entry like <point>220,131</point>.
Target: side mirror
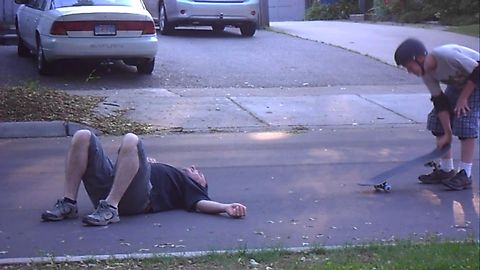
<point>21,2</point>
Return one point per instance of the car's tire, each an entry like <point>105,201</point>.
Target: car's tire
<point>164,26</point>
<point>248,29</point>
<point>146,67</point>
<point>218,28</point>
<point>22,50</point>
<point>43,67</point>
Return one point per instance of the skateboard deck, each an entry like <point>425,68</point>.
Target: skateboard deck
<point>380,181</point>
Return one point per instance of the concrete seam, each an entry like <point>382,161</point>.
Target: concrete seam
<point>249,112</point>
<point>388,109</point>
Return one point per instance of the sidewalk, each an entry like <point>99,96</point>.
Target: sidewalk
<point>377,40</point>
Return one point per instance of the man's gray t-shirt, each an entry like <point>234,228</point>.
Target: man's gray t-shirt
<point>454,64</point>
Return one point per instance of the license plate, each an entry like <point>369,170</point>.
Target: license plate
<point>105,30</point>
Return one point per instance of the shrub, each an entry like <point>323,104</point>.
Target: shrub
<point>459,12</point>
<point>334,11</point>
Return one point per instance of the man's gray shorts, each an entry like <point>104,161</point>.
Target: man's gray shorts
<point>99,175</point>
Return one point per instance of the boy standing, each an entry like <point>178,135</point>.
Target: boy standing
<point>456,110</point>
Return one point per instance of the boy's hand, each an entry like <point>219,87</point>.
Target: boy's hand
<point>236,210</point>
<point>462,107</point>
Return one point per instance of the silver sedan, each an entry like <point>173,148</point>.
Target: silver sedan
<point>215,13</point>
<point>86,29</point>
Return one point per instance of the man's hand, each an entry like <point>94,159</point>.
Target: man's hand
<point>236,210</point>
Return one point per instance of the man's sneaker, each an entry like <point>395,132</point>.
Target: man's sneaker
<point>437,176</point>
<point>459,182</point>
<point>61,210</point>
<point>103,215</point>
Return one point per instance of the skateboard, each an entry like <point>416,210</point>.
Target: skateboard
<point>380,181</point>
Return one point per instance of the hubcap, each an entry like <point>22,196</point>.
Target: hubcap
<point>161,22</point>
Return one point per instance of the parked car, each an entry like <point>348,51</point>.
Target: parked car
<point>215,13</point>
<point>86,29</point>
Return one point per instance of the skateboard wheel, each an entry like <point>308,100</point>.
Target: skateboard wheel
<point>387,187</point>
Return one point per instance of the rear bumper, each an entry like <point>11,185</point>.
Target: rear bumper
<point>188,12</point>
<point>56,48</point>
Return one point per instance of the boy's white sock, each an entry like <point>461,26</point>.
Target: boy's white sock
<point>446,164</point>
<point>465,166</point>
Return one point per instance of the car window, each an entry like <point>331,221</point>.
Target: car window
<point>73,3</point>
<point>32,3</point>
<point>37,4</point>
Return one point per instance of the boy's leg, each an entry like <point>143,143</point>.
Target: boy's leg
<point>466,128</point>
<point>445,169</point>
<point>131,185</point>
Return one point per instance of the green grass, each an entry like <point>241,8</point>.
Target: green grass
<point>471,30</point>
<point>402,255</point>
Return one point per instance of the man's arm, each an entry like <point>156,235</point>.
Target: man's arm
<point>235,210</point>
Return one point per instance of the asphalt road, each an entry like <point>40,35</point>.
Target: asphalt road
<point>300,189</point>
<point>200,58</point>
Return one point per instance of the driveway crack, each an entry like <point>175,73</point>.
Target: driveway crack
<point>249,112</point>
<point>388,109</point>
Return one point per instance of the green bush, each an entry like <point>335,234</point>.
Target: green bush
<point>338,10</point>
<point>460,12</point>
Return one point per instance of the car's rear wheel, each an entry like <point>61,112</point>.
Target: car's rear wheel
<point>164,26</point>
<point>22,50</point>
<point>146,67</point>
<point>218,28</point>
<point>248,29</point>
<point>43,67</point>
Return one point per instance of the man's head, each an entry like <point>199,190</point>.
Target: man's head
<point>411,55</point>
<point>196,175</point>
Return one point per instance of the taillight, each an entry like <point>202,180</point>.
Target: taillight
<point>58,29</point>
<point>62,27</point>
<point>148,28</point>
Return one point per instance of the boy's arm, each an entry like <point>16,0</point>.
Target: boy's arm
<point>462,103</point>
<point>446,138</point>
<point>236,210</point>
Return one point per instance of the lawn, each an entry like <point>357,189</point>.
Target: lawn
<point>471,30</point>
<point>401,255</point>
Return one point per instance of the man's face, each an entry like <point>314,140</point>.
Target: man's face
<point>196,175</point>
<point>414,68</point>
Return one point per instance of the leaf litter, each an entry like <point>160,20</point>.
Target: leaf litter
<point>31,103</point>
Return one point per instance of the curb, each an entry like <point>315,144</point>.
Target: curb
<point>37,129</point>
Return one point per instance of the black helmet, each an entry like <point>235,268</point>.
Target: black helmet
<point>409,50</point>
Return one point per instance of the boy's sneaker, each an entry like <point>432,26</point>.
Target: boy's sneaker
<point>61,210</point>
<point>437,176</point>
<point>103,215</point>
<point>459,182</point>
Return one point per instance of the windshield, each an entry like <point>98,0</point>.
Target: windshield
<point>74,3</point>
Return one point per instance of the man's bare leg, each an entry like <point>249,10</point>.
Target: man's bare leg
<point>127,168</point>
<point>76,164</point>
